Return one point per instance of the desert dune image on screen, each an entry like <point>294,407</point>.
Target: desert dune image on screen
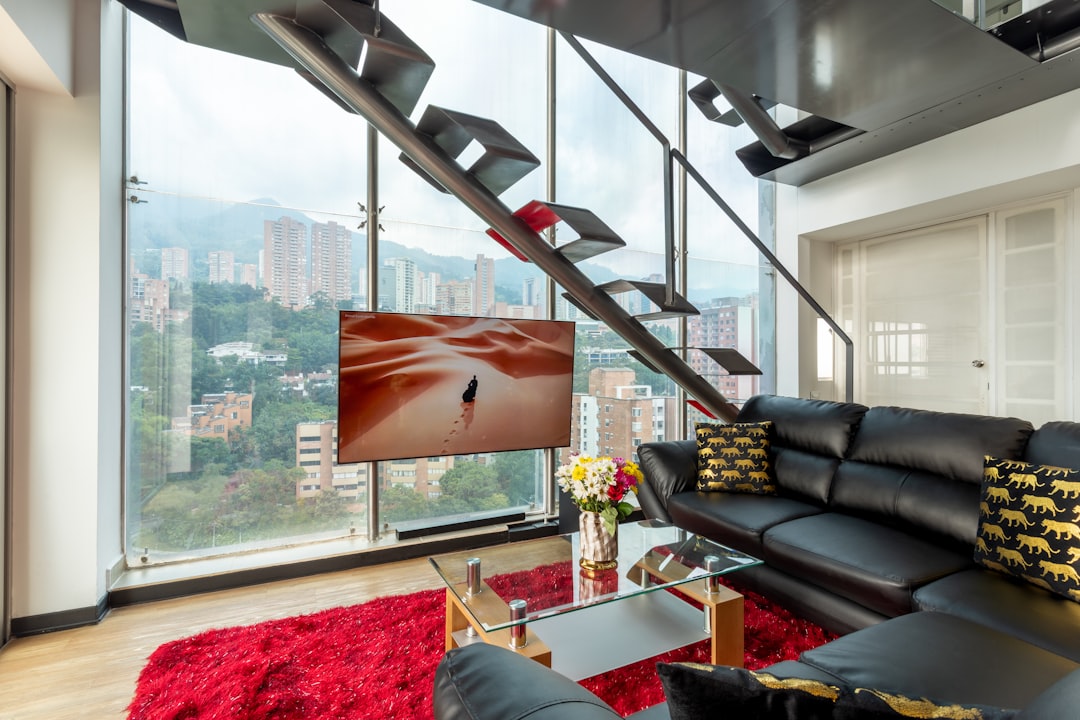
<point>430,385</point>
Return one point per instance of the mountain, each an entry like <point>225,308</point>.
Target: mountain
<point>204,225</point>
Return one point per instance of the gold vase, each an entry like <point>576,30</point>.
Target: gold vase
<point>599,550</point>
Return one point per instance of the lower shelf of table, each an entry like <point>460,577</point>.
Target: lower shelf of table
<point>597,639</point>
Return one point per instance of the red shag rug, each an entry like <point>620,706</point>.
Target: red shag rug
<point>377,660</point>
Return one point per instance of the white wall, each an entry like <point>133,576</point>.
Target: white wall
<point>36,49</point>
<point>67,325</point>
<point>1026,154</point>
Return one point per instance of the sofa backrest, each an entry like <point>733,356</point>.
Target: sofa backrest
<point>810,438</point>
<point>1055,443</point>
<point>922,470</point>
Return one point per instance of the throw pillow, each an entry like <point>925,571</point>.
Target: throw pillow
<point>696,692</point>
<point>735,457</point>
<point>704,692</point>
<point>865,704</point>
<point>1029,524</point>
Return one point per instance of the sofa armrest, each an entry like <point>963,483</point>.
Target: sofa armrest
<point>669,467</point>
<point>486,682</point>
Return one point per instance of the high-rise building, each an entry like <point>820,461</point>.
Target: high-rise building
<point>617,415</point>
<point>174,264</point>
<point>532,293</point>
<point>148,300</point>
<point>454,297</point>
<point>331,261</point>
<point>285,261</point>
<point>484,286</point>
<point>725,323</point>
<point>405,276</point>
<point>249,274</point>
<point>316,455</point>
<point>222,266</point>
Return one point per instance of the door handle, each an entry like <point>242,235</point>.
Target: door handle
<point>977,363</point>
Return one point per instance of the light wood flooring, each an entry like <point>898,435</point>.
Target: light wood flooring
<point>90,672</point>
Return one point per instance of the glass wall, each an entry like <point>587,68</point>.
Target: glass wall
<point>248,231</point>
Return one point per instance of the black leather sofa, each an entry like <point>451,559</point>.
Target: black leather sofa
<point>872,535</point>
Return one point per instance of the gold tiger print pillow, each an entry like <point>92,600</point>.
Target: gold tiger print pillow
<point>735,458</point>
<point>1029,524</point>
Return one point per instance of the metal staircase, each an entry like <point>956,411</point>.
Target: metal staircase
<point>382,90</point>
<point>368,66</point>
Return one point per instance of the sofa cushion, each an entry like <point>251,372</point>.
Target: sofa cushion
<point>1055,443</point>
<point>874,565</point>
<point>816,426</point>
<point>1029,525</point>
<point>929,654</point>
<point>1061,700</point>
<point>948,444</point>
<point>920,502</point>
<point>921,470</point>
<point>701,692</point>
<point>1013,606</point>
<point>735,520</point>
<point>735,458</point>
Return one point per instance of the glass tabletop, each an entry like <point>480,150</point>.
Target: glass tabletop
<point>653,556</point>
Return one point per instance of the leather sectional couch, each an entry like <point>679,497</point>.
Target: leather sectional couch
<point>871,533</point>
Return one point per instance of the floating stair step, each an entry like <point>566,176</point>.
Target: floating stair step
<point>386,57</point>
<point>594,236</point>
<point>655,292</point>
<point>705,93</point>
<point>731,360</point>
<point>503,162</point>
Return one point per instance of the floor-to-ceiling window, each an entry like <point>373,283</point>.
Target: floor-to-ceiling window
<point>252,223</point>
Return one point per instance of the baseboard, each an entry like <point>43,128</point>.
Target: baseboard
<point>62,620</point>
<point>121,596</point>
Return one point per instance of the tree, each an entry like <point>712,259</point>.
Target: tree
<point>472,483</point>
<point>397,504</point>
<point>274,428</point>
<point>516,476</point>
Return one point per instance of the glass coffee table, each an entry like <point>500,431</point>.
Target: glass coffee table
<point>550,609</point>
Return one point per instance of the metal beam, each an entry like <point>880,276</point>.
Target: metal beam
<point>309,50</point>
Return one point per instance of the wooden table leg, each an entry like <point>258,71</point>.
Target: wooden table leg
<point>458,620</point>
<point>724,609</point>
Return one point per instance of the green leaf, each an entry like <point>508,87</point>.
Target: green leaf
<point>625,509</point>
<point>610,517</point>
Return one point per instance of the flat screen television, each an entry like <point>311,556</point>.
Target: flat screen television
<point>415,386</point>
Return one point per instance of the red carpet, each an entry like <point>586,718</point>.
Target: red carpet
<point>377,660</point>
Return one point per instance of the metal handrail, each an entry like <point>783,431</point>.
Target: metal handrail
<point>672,156</point>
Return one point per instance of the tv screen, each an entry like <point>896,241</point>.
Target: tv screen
<point>428,385</point>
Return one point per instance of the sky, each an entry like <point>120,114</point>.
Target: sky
<point>209,124</point>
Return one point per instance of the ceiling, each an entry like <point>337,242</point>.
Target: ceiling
<point>872,77</point>
<point>869,78</point>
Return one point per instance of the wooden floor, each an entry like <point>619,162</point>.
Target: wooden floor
<point>90,672</point>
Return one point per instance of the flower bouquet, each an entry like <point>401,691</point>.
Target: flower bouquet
<point>599,484</point>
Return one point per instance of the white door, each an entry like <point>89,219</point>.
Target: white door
<point>1030,363</point>
<point>916,303</point>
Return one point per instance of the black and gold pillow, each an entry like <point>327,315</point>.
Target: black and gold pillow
<point>1029,524</point>
<point>735,458</point>
<point>866,704</point>
<point>703,692</point>
<point>695,692</point>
